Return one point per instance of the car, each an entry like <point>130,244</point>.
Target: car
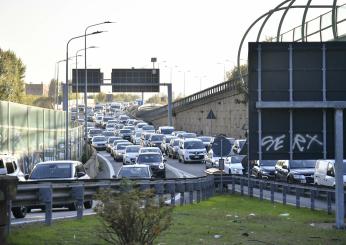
<point>114,144</point>
<point>187,135</point>
<point>238,145</point>
<point>206,141</point>
<point>59,170</point>
<point>191,150</point>
<point>119,150</point>
<point>173,147</point>
<point>155,140</point>
<point>136,138</point>
<point>166,130</point>
<point>148,128</point>
<point>155,161</point>
<point>9,166</point>
<point>145,138</point>
<point>123,118</point>
<point>131,154</point>
<point>110,126</point>
<point>295,171</point>
<point>137,171</point>
<point>132,128</point>
<point>175,133</point>
<point>324,173</point>
<point>264,169</point>
<point>212,159</point>
<point>165,142</point>
<point>99,143</point>
<point>125,134</point>
<point>110,141</point>
<point>94,132</point>
<point>233,165</point>
<point>105,120</point>
<point>98,120</point>
<point>140,125</point>
<point>150,149</point>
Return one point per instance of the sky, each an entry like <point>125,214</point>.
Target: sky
<point>197,37</point>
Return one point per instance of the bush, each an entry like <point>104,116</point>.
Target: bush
<point>131,216</point>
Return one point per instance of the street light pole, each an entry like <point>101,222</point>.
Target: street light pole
<point>77,77</point>
<point>86,80</point>
<point>66,96</point>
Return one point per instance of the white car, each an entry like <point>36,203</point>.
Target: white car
<point>139,126</point>
<point>233,165</point>
<point>191,150</point>
<point>167,130</point>
<point>99,142</point>
<point>119,150</point>
<point>131,154</point>
<point>137,171</point>
<point>136,138</point>
<point>150,149</point>
<point>325,173</point>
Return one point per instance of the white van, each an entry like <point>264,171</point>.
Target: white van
<point>325,173</point>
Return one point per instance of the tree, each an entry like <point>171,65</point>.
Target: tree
<point>52,88</point>
<point>131,216</point>
<point>241,84</point>
<point>158,99</point>
<point>12,72</point>
<point>100,97</point>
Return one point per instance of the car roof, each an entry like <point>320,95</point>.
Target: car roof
<point>191,139</point>
<point>59,161</point>
<point>136,165</point>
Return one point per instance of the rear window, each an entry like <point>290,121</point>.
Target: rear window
<point>51,171</point>
<point>167,130</point>
<point>156,137</point>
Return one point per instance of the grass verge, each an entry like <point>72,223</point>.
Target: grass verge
<point>226,219</point>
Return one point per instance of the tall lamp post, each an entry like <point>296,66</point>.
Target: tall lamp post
<point>77,76</point>
<point>66,95</point>
<point>86,83</point>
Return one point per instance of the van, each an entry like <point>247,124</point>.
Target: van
<point>325,173</point>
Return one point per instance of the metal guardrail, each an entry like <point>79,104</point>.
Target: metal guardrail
<point>313,193</point>
<point>48,194</point>
<point>202,95</point>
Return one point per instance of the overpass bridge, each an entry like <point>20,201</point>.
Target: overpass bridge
<point>231,117</point>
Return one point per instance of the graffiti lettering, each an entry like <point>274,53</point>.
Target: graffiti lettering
<point>276,143</point>
<point>300,142</point>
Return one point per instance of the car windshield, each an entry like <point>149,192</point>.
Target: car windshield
<point>112,139</point>
<point>134,172</point>
<point>121,146</point>
<point>149,158</point>
<point>236,159</point>
<point>176,143</point>
<point>151,149</point>
<point>98,139</point>
<point>146,136</point>
<point>125,131</point>
<point>108,133</point>
<point>189,135</point>
<point>205,139</point>
<point>193,145</point>
<point>106,119</point>
<point>302,163</point>
<point>167,130</point>
<point>156,137</point>
<point>95,131</point>
<point>148,127</point>
<point>132,149</point>
<point>99,118</point>
<point>268,162</point>
<point>138,134</point>
<point>167,140</point>
<point>51,171</point>
<point>141,125</point>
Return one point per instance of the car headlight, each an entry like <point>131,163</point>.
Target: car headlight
<point>298,176</point>
<point>265,172</point>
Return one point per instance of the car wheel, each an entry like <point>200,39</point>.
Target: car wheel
<point>290,180</point>
<point>88,204</point>
<point>19,212</point>
<point>229,171</point>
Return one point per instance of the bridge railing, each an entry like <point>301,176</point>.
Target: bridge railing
<point>278,191</point>
<point>319,28</point>
<point>200,96</point>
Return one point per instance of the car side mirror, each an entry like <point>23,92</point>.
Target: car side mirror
<point>26,176</point>
<point>165,160</point>
<point>80,174</point>
<point>284,167</point>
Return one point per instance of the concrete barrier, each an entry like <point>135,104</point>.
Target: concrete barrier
<point>92,165</point>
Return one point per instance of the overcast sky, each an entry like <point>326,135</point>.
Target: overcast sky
<point>184,35</point>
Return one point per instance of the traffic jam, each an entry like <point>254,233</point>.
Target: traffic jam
<point>143,151</point>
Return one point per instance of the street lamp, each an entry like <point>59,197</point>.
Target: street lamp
<point>224,68</point>
<point>77,76</point>
<point>86,85</point>
<point>66,94</point>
